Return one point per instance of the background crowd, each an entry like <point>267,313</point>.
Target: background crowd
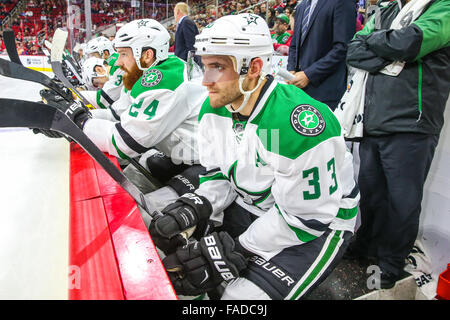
<point>39,19</point>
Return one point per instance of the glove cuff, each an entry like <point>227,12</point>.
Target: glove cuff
<point>200,204</point>
<point>239,248</point>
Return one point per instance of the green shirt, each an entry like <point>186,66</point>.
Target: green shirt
<point>282,38</point>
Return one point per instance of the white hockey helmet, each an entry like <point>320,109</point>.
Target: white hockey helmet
<point>99,45</point>
<point>144,33</point>
<point>90,72</point>
<point>243,36</point>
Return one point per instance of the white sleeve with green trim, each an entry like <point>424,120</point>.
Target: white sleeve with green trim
<point>114,85</point>
<point>157,118</point>
<point>122,104</point>
<point>214,185</point>
<point>100,132</point>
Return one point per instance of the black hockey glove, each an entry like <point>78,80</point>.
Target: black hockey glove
<point>74,110</point>
<point>183,214</point>
<point>201,266</point>
<point>51,98</point>
<point>165,244</point>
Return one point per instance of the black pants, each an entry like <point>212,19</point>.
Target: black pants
<point>296,270</point>
<point>392,173</point>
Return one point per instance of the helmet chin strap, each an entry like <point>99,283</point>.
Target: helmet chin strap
<point>138,62</point>
<point>246,94</point>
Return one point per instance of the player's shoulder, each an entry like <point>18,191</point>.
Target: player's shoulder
<point>112,59</point>
<point>206,109</point>
<point>167,75</point>
<point>298,121</point>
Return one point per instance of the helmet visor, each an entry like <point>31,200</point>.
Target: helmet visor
<point>213,68</point>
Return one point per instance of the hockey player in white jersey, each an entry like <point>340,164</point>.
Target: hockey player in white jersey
<point>279,183</point>
<point>105,96</point>
<point>161,109</point>
<point>94,73</point>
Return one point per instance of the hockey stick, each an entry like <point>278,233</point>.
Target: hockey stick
<point>58,44</point>
<point>17,71</point>
<point>73,60</point>
<point>19,113</point>
<point>68,61</point>
<point>9,39</point>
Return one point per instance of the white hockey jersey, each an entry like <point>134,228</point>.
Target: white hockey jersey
<point>112,89</point>
<point>162,112</point>
<point>287,163</point>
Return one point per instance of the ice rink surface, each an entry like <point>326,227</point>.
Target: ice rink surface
<point>34,219</point>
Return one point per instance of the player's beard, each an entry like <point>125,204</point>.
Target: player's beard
<point>221,95</point>
<point>131,76</point>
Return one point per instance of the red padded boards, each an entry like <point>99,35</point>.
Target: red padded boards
<point>111,253</point>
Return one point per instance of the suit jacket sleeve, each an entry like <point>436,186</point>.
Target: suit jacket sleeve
<point>189,31</point>
<point>292,58</point>
<point>344,27</point>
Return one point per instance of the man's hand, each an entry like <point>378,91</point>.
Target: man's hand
<point>301,80</point>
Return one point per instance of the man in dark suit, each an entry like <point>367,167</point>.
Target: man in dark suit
<point>318,48</point>
<point>186,31</point>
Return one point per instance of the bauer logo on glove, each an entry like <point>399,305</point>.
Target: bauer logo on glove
<point>216,258</point>
<point>194,197</point>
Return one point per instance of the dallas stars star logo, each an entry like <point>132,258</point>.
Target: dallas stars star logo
<point>151,78</point>
<point>251,19</point>
<point>307,120</point>
<point>142,23</point>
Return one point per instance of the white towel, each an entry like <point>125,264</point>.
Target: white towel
<point>350,110</point>
<point>418,264</point>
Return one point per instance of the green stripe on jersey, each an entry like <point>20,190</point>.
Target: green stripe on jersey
<point>275,118</point>
<point>302,235</point>
<point>217,176</point>
<point>119,152</point>
<point>167,75</point>
<point>347,214</point>
<point>99,97</point>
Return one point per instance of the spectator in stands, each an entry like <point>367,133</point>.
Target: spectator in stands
<point>239,7</point>
<point>271,18</point>
<point>186,31</point>
<point>403,117</point>
<point>257,11</point>
<point>263,9</point>
<point>233,8</point>
<point>319,46</point>
<point>281,37</point>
